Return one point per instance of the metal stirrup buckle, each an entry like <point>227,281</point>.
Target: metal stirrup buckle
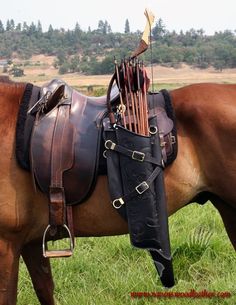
<point>58,253</point>
<point>117,203</point>
<point>142,187</point>
<point>138,156</point>
<point>110,145</point>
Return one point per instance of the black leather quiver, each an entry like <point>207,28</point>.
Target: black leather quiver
<point>135,176</point>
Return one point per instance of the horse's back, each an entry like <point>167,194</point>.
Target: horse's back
<point>207,113</point>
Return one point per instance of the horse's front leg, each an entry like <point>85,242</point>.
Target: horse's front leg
<point>40,272</point>
<point>9,267</point>
<point>228,215</point>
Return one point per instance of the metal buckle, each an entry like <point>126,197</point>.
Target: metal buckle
<point>173,140</point>
<point>117,203</point>
<point>142,187</point>
<point>162,140</point>
<point>61,252</point>
<point>153,129</point>
<point>122,108</point>
<point>40,102</point>
<point>110,145</point>
<point>104,154</point>
<point>138,156</point>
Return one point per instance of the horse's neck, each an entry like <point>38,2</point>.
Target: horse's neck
<point>11,91</point>
<point>10,96</point>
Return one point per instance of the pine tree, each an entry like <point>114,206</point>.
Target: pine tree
<point>1,27</point>
<point>50,29</point>
<point>32,29</point>
<point>25,27</point>
<point>39,28</point>
<point>159,30</point>
<point>8,26</point>
<point>18,27</point>
<point>77,27</point>
<point>127,27</point>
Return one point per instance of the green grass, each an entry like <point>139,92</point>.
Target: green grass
<point>105,270</point>
<point>167,86</point>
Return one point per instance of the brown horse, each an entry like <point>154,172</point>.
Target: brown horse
<point>205,168</point>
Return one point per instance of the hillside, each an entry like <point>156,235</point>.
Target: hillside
<point>92,52</point>
<point>39,69</point>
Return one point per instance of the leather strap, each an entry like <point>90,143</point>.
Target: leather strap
<point>138,190</point>
<point>69,217</point>
<point>59,163</point>
<point>133,154</point>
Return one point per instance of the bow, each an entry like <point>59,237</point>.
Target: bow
<point>144,42</point>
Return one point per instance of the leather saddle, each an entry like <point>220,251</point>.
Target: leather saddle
<point>66,139</point>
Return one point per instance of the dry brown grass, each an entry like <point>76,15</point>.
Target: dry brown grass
<point>41,70</point>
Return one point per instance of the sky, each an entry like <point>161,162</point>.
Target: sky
<point>209,15</point>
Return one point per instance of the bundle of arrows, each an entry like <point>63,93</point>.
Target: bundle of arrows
<point>132,82</point>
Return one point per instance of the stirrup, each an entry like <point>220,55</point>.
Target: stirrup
<point>58,253</point>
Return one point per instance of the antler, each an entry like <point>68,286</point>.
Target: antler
<point>143,45</point>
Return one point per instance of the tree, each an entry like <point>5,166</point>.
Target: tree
<point>18,27</point>
<point>108,27</point>
<point>158,30</point>
<point>64,68</point>
<point>25,27</point>
<point>74,63</point>
<point>77,28</point>
<point>61,58</point>
<point>103,27</point>
<point>16,71</point>
<point>39,28</point>
<point>50,29</point>
<point>10,25</point>
<point>1,27</point>
<point>100,27</point>
<point>127,28</point>
<point>219,65</point>
<point>32,29</point>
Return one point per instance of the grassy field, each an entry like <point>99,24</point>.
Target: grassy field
<point>106,270</point>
